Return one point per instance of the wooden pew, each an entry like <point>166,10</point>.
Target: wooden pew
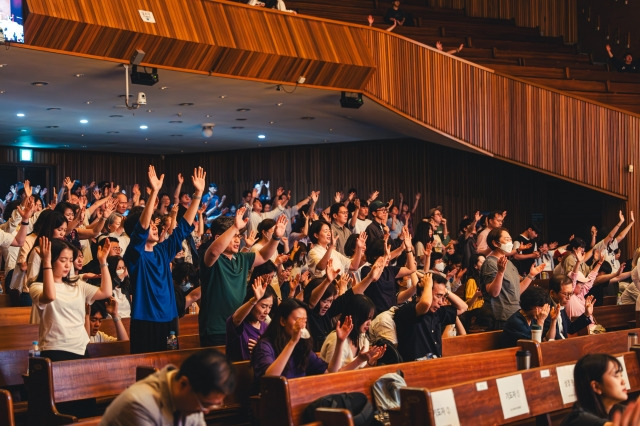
<point>6,408</point>
<point>471,343</point>
<point>283,401</point>
<point>52,383</point>
<point>615,317</point>
<point>15,315</point>
<point>559,351</point>
<point>541,387</point>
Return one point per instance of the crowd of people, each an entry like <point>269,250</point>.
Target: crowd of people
<point>297,289</point>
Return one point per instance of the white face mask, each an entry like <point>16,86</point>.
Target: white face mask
<point>507,247</point>
<point>120,273</point>
<point>439,267</point>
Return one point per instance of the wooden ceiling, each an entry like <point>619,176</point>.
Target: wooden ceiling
<point>205,37</point>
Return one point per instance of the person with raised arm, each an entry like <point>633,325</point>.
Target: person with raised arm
<point>149,264</point>
<point>61,300</point>
<point>223,273</point>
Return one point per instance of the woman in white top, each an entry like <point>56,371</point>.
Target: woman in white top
<point>324,249</point>
<point>61,301</point>
<point>360,309</point>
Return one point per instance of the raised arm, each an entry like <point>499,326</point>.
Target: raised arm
<point>222,242</point>
<point>259,286</point>
<point>373,276</point>
<point>112,309</point>
<point>198,181</point>
<point>317,292</point>
<point>48,285</point>
<point>25,212</point>
<point>176,193</point>
<point>278,365</point>
<point>426,298</point>
<point>105,290</point>
<point>269,249</point>
<point>155,184</point>
<point>357,255</point>
<point>457,303</point>
<point>625,231</point>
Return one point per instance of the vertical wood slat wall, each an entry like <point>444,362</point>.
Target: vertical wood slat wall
<point>461,182</point>
<point>553,17</point>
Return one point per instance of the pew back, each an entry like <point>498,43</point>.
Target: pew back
<point>471,343</point>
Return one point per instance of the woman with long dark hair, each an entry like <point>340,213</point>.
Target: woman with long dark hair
<point>285,349</point>
<point>600,386</point>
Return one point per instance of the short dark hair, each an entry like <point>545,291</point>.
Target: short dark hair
<point>98,306</point>
<point>315,228</point>
<point>208,371</point>
<point>577,242</point>
<point>335,208</point>
<point>558,281</point>
<point>532,297</point>
<point>374,250</point>
<point>493,238</point>
<point>221,224</point>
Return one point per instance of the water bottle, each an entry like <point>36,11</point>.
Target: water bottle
<point>33,352</point>
<point>192,309</point>
<point>172,341</point>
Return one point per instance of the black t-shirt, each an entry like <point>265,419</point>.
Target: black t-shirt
<point>320,326</point>
<point>421,335</point>
<point>524,265</point>
<point>383,292</point>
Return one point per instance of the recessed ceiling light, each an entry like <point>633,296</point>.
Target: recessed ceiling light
<point>222,96</point>
<point>147,139</point>
<point>39,83</point>
<point>164,87</point>
<point>88,102</point>
<point>241,119</point>
<point>84,146</point>
<point>115,116</point>
<point>279,104</point>
<point>243,109</point>
<point>272,122</point>
<point>1,92</point>
<point>54,109</point>
<point>79,75</point>
<point>20,114</point>
<point>144,126</point>
<point>175,121</point>
<point>261,136</point>
<point>3,65</point>
<point>186,104</point>
<point>84,121</point>
<point>237,127</point>
<point>52,127</point>
<point>23,130</point>
<point>307,118</point>
<point>205,142</point>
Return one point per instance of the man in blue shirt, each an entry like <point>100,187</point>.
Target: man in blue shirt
<point>149,264</point>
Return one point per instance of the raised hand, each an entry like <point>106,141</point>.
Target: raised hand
<point>103,251</point>
<point>374,195</point>
<point>259,287</point>
<point>331,273</point>
<point>502,264</point>
<point>338,197</point>
<point>314,196</point>
<point>542,313</point>
<point>241,221</point>
<point>373,354</point>
<point>361,242</point>
<point>68,183</point>
<point>198,179</point>
<point>154,181</point>
<point>554,312</point>
<point>45,252</point>
<point>632,219</point>
<point>112,307</point>
<point>300,324</point>
<point>535,270</point>
<point>251,238</point>
<point>27,189</point>
<point>589,301</point>
<point>180,178</point>
<point>26,211</point>
<point>281,226</point>
<point>621,216</point>
<point>343,330</point>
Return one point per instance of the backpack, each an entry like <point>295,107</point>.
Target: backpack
<point>386,393</point>
<point>356,402</point>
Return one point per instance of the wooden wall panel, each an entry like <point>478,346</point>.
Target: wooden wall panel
<point>205,37</point>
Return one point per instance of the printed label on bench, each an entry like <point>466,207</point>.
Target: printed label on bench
<point>482,386</point>
<point>624,372</point>
<point>513,398</point>
<point>444,408</point>
<point>565,380</point>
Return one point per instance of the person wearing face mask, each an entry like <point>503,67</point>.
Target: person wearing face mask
<point>121,285</point>
<point>186,285</point>
<point>501,284</point>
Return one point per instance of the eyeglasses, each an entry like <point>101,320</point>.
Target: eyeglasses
<point>565,295</point>
<point>205,408</point>
<point>383,210</point>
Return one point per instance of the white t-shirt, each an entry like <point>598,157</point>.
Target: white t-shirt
<point>62,321</point>
<point>316,254</point>
<point>329,347</point>
<point>102,337</point>
<point>124,306</point>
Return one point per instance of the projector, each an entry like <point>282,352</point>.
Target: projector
<point>351,101</point>
<point>144,78</point>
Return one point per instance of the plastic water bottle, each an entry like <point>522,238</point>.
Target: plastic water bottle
<point>33,352</point>
<point>192,309</point>
<point>172,341</point>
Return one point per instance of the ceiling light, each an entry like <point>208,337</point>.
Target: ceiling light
<point>79,75</point>
<point>272,122</point>
<point>164,87</point>
<point>144,126</point>
<point>88,102</point>
<point>222,96</point>
<point>261,136</point>
<point>52,127</point>
<point>115,116</point>
<point>243,109</point>
<point>175,121</point>
<point>241,119</point>
<point>84,121</point>
<point>23,130</point>
<point>54,109</point>
<point>279,104</point>
<point>20,114</point>
<point>207,129</point>
<point>39,83</point>
<point>186,104</point>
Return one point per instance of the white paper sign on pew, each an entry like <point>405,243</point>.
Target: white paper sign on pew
<point>445,412</point>
<point>513,398</point>
<point>565,380</point>
<point>624,372</point>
